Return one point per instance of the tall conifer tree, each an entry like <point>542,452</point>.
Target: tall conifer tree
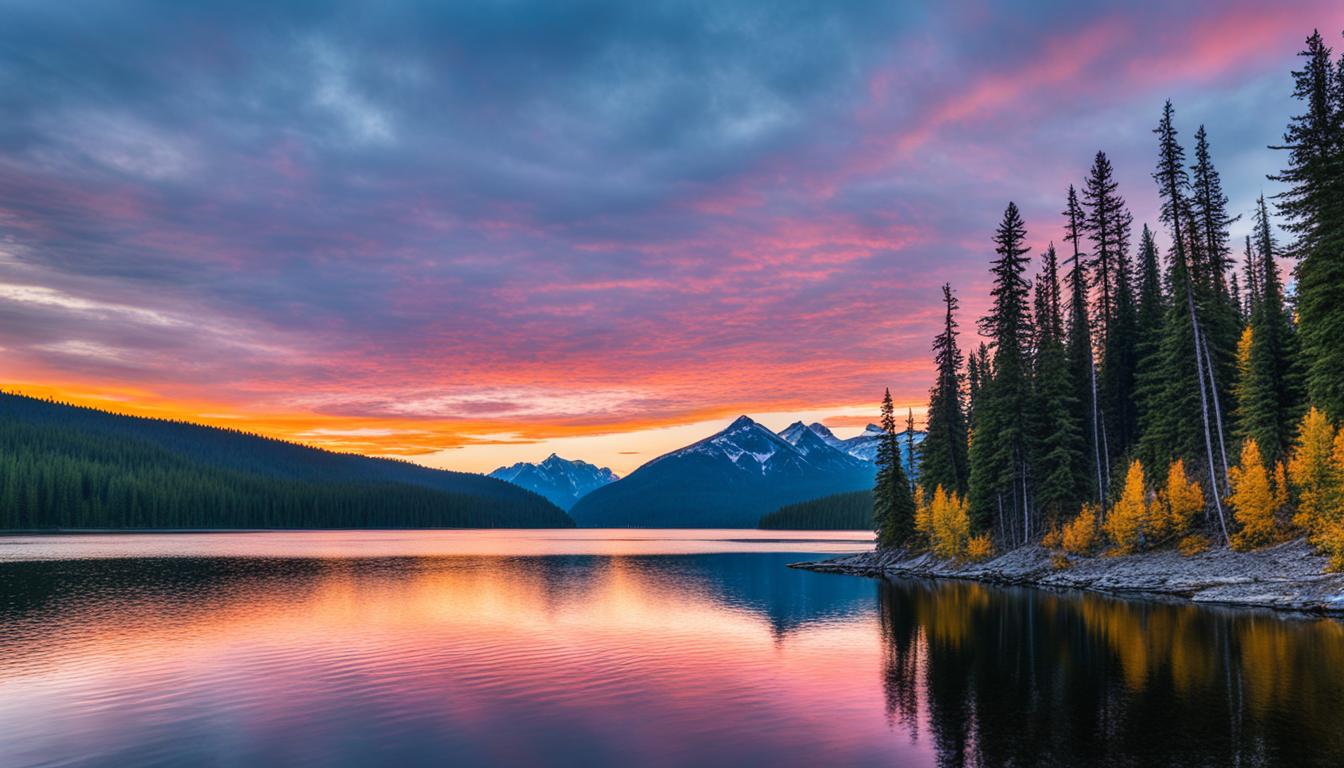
<point>1271,398</point>
<point>1000,453</point>
<point>893,503</point>
<point>1081,363</point>
<point>1060,453</point>
<point>1314,207</point>
<point>945,460</point>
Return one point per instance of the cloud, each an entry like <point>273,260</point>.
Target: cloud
<point>531,217</point>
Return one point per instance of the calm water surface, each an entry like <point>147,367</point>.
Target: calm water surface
<point>599,648</point>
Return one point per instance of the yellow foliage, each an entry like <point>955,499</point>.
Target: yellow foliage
<point>1128,521</point>
<point>1182,500</point>
<point>1255,501</point>
<point>1059,561</point>
<point>950,523</point>
<point>1314,472</point>
<point>1053,538</point>
<point>1193,544</point>
<point>979,548</point>
<point>1080,534</point>
<point>923,515</point>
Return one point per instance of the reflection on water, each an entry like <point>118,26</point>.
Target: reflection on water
<point>549,653</point>
<point>1025,677</point>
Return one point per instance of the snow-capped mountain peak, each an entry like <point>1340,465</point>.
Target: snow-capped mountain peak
<point>730,478</point>
<point>561,480</point>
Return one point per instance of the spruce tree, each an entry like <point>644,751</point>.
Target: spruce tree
<point>910,451</point>
<point>1081,364</point>
<point>1150,384</point>
<point>1187,384</point>
<point>1211,260</point>
<point>1108,223</point>
<point>944,459</point>
<point>893,504</point>
<point>1271,397</point>
<point>1314,207</point>
<point>1000,485</point>
<point>1059,448</point>
<point>1252,280</point>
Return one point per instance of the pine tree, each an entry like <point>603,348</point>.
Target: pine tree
<point>1187,388</point>
<point>910,452</point>
<point>945,459</point>
<point>1082,368</point>
<point>1271,399</point>
<point>1314,207</point>
<point>1252,280</point>
<point>1210,207</point>
<point>1000,482</point>
<point>1150,384</point>
<point>893,504</point>
<point>1060,455</point>
<point>1107,224</point>
<point>1210,261</point>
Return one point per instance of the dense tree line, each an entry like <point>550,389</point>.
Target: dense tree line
<point>67,467</point>
<point>851,511</point>
<point>1145,398</point>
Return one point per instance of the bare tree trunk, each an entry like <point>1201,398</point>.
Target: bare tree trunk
<point>1026,508</point>
<point>1003,528</point>
<point>1204,412</point>
<point>1096,437</point>
<point>1217,411</point>
<point>1105,448</point>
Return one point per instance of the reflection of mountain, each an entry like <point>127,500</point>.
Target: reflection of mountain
<point>1027,677</point>
<point>763,584</point>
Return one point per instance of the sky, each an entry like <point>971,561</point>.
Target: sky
<point>469,234</point>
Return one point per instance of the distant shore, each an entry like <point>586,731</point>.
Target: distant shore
<point>1288,577</point>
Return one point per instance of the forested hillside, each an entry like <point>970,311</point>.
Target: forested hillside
<point>852,511</point>
<point>69,467</point>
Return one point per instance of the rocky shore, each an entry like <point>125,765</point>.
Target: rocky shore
<point>1286,577</point>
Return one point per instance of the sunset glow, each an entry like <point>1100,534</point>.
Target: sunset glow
<point>597,229</point>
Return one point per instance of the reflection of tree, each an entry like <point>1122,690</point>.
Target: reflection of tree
<point>1026,677</point>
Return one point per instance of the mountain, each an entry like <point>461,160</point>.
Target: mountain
<point>728,480</point>
<point>64,466</point>
<point>561,481</point>
<point>862,446</point>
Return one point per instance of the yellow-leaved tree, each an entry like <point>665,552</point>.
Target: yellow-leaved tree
<point>1127,524</point>
<point>950,522</point>
<point>1079,535</point>
<point>1314,472</point>
<point>1181,501</point>
<point>924,516</point>
<point>1255,500</point>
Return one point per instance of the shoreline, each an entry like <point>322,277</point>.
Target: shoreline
<point>1285,577</point>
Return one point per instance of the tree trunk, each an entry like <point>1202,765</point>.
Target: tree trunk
<point>1204,412</point>
<point>1217,412</point>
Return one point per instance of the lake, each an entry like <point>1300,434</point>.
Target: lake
<point>597,648</point>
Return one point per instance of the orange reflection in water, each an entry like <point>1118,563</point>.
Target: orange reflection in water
<point>648,657</point>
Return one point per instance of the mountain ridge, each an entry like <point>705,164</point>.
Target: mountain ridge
<point>561,481</point>
<point>728,479</point>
